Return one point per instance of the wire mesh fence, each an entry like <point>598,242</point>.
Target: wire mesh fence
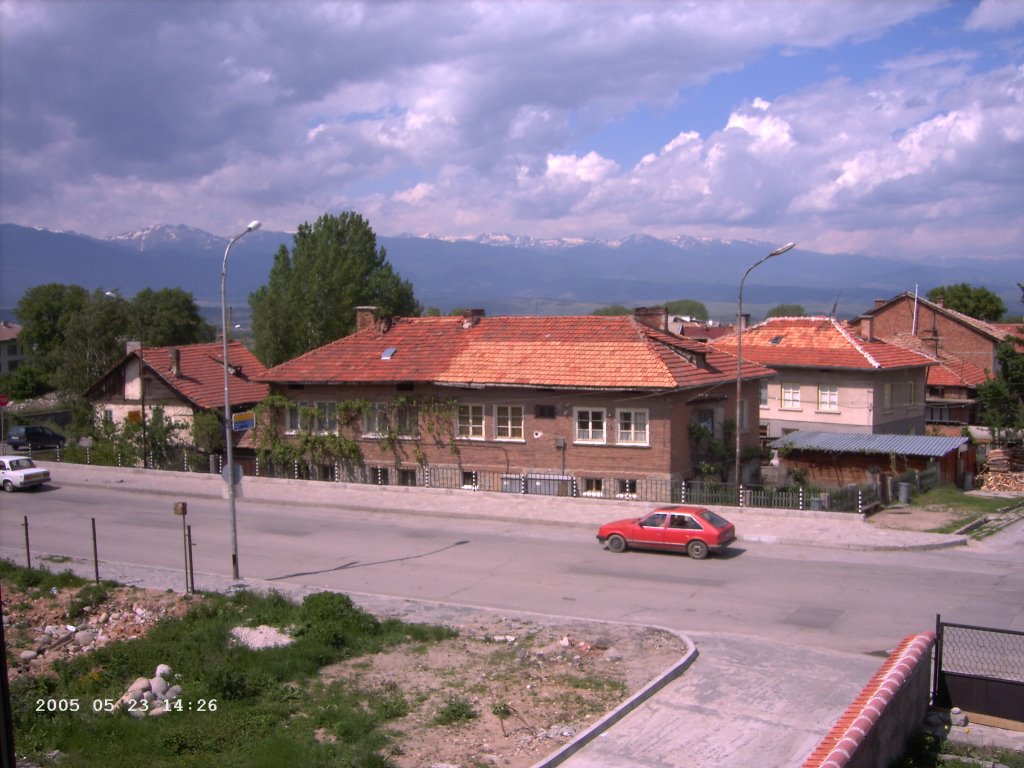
<point>984,652</point>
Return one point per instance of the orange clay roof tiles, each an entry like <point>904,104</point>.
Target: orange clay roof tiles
<point>818,342</point>
<point>201,372</point>
<point>570,352</point>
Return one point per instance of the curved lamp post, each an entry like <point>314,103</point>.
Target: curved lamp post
<point>739,360</point>
<point>229,468</point>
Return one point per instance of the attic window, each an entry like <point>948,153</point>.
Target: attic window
<point>388,353</point>
<point>775,340</point>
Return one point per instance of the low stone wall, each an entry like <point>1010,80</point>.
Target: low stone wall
<point>875,728</point>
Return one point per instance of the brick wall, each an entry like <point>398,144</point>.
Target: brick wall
<point>665,456</point>
<point>875,728</point>
<point>936,329</point>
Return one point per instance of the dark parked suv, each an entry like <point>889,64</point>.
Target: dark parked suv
<point>34,438</point>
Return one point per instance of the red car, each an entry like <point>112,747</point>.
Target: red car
<point>694,530</point>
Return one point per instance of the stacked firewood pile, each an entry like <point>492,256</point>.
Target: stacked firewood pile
<point>1004,470</point>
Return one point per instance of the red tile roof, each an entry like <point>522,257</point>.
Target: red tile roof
<point>819,342</point>
<point>566,352</point>
<point>9,331</point>
<point>201,372</point>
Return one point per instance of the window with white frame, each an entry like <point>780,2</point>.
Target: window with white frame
<point>470,422</point>
<point>593,486</point>
<point>589,425</point>
<point>508,422</point>
<point>633,427</point>
<point>320,416</point>
<point>828,397</point>
<point>407,420</point>
<point>790,397</point>
<point>378,419</point>
<point>763,402</point>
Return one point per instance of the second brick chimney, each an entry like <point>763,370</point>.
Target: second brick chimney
<point>365,317</point>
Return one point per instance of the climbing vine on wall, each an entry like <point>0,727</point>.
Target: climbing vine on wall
<point>400,426</point>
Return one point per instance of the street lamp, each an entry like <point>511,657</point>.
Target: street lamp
<point>229,469</point>
<point>739,359</point>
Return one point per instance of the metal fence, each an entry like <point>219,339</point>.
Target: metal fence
<point>979,669</point>
<point>650,490</point>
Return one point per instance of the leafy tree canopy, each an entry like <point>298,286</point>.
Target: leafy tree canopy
<point>74,336</point>
<point>168,317</point>
<point>614,309</point>
<point>979,303</point>
<point>689,308</point>
<point>787,310</point>
<point>312,292</point>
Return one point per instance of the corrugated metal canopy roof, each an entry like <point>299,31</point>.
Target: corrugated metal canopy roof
<point>849,442</point>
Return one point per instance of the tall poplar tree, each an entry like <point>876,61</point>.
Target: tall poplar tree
<point>312,292</point>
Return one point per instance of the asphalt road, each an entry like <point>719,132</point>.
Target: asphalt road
<point>859,602</point>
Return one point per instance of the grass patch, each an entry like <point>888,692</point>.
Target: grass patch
<point>270,703</point>
<point>924,751</point>
<point>953,498</point>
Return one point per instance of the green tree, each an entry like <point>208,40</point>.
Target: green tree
<point>787,310</point>
<point>613,309</point>
<point>93,341</point>
<point>689,308</point>
<point>45,312</point>
<point>168,317</point>
<point>979,303</point>
<point>312,292</point>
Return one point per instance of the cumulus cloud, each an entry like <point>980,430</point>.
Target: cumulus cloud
<point>528,117</point>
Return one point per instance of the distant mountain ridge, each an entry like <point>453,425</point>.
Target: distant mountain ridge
<point>503,273</point>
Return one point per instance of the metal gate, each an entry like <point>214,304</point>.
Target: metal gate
<point>979,670</point>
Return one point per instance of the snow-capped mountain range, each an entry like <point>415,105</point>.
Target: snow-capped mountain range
<point>545,276</point>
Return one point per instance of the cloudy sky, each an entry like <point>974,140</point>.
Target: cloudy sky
<point>889,127</point>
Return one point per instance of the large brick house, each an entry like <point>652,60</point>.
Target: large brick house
<point>940,329</point>
<point>965,347</point>
<point>833,379</point>
<point>561,405</point>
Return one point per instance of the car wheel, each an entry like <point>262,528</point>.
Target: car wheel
<point>698,550</point>
<point>8,486</point>
<point>616,543</point>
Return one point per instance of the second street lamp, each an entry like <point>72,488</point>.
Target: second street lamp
<point>739,364</point>
<point>229,465</point>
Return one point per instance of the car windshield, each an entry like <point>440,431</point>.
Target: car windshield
<point>714,518</point>
<point>21,463</point>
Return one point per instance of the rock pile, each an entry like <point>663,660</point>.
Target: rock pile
<point>149,696</point>
<point>37,634</point>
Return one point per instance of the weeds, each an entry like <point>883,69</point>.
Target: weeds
<point>272,710</point>
<point>456,710</point>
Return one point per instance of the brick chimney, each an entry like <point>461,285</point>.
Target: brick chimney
<point>174,361</point>
<point>744,322</point>
<point>653,317</point>
<point>879,302</point>
<point>471,317</point>
<point>867,327</point>
<point>365,317</point>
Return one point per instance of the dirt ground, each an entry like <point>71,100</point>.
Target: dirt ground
<point>914,518</point>
<point>520,688</point>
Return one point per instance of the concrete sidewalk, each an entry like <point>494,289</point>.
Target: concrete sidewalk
<point>832,530</point>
